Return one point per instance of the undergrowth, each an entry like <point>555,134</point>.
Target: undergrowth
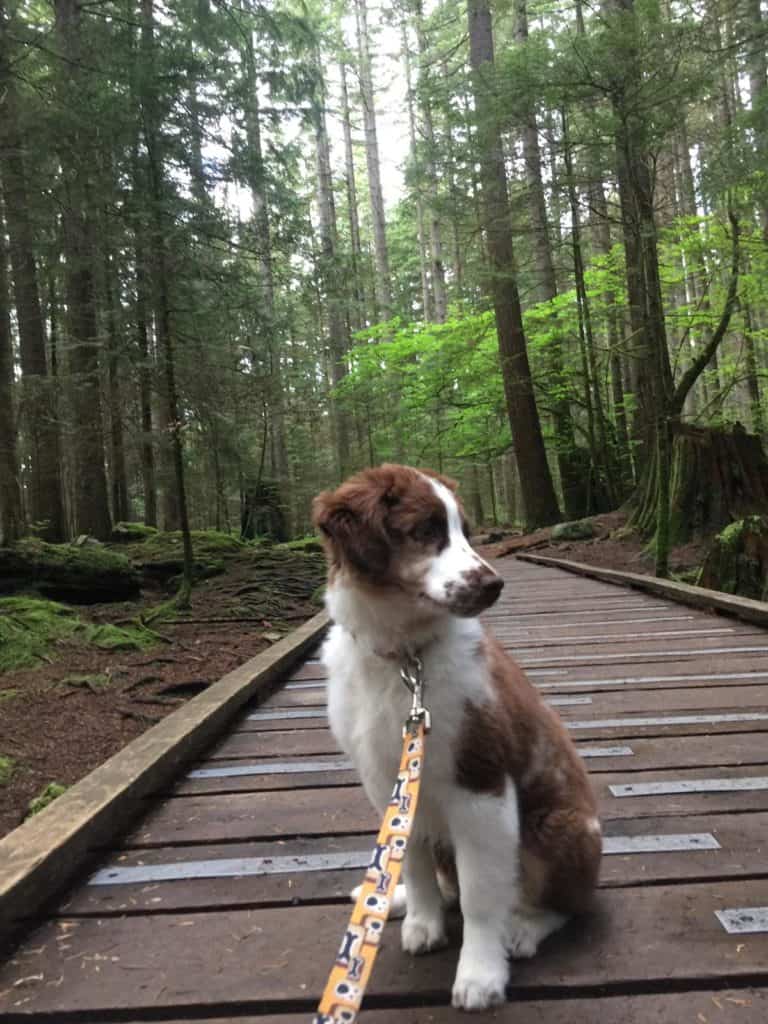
<point>31,627</point>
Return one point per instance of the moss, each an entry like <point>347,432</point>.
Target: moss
<point>211,543</point>
<point>48,795</point>
<point>87,573</point>
<point>29,627</point>
<point>119,638</point>
<point>730,536</point>
<point>9,695</point>
<point>95,682</point>
<point>302,544</point>
<point>72,559</point>
<point>128,533</point>
<point>7,769</point>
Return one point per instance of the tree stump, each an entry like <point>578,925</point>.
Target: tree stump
<point>718,476</point>
<point>737,563</point>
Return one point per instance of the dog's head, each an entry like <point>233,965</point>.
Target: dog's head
<point>403,528</point>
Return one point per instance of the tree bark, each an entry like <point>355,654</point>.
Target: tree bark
<point>330,272</point>
<point>119,477</point>
<point>756,40</point>
<point>38,405</point>
<point>546,288</point>
<point>416,170</point>
<point>91,504</point>
<point>164,323</point>
<point>536,482</point>
<point>269,331</point>
<point>358,306</point>
<point>382,282</point>
<point>437,266</point>
<point>11,514</point>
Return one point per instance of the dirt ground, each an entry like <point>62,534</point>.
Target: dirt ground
<point>626,553</point>
<point>57,727</point>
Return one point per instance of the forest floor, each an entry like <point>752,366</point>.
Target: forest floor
<point>611,548</point>
<point>64,717</point>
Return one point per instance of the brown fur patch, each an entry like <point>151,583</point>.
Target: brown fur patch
<point>517,736</point>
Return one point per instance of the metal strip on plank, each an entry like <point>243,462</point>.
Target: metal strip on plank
<point>239,867</point>
<point>660,844</point>
<point>657,655</point>
<point>618,637</point>
<point>319,685</point>
<point>270,716</point>
<point>276,768</point>
<point>743,920</point>
<point>614,723</point>
<point>611,622</point>
<point>629,680</point>
<point>674,786</point>
<point>605,751</point>
<point>229,867</point>
<point>565,702</point>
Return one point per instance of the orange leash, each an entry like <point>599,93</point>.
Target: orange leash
<point>352,968</point>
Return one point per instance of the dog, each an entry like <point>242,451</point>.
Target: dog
<point>506,806</point>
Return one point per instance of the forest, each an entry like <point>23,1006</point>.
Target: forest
<point>227,281</point>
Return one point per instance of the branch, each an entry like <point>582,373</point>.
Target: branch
<point>696,368</point>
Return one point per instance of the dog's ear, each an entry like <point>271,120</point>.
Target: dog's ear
<point>352,519</point>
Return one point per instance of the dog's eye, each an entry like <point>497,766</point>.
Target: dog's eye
<point>427,531</point>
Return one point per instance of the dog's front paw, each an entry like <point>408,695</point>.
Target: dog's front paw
<point>422,935</point>
<point>477,986</point>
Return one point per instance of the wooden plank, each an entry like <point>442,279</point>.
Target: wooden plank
<point>731,1006</point>
<point>741,838</point>
<point>40,857</point>
<point>603,702</point>
<point>283,743</point>
<point>685,752</point>
<point>222,958</point>
<point>696,597</point>
<point>250,816</point>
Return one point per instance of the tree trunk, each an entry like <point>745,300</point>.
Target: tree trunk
<point>120,504</point>
<point>416,171</point>
<point>546,290</point>
<point>11,515</point>
<point>358,306</point>
<point>382,282</point>
<point>330,273</point>
<point>145,375</point>
<point>91,504</point>
<point>164,324</point>
<point>756,37</point>
<point>269,332</point>
<point>437,267</point>
<point>535,478</point>
<point>38,405</point>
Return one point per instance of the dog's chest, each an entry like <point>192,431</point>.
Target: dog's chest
<point>368,704</point>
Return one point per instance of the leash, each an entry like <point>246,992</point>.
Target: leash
<point>352,968</point>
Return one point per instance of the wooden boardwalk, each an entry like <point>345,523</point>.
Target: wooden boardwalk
<point>227,901</point>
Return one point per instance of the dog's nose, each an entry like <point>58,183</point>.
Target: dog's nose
<point>492,587</point>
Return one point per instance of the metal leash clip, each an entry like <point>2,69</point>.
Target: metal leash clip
<point>411,672</point>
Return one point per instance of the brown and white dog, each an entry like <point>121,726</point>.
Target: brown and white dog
<point>504,791</point>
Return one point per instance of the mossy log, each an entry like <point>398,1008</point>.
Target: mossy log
<point>718,476</point>
<point>82,575</point>
<point>737,562</point>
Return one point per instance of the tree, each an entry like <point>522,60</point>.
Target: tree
<point>11,516</point>
<point>536,482</point>
<point>91,507</point>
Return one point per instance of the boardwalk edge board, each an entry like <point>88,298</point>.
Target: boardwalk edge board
<point>683,593</point>
<point>39,858</point>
